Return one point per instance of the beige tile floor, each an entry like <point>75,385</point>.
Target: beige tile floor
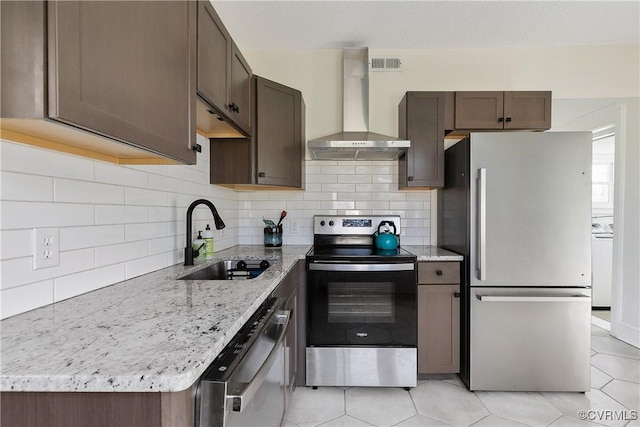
<point>615,393</point>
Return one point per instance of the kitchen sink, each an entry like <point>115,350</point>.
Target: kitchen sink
<point>229,270</point>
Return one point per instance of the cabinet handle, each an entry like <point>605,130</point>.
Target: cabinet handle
<point>261,174</point>
<point>438,272</point>
<point>500,119</point>
<point>233,107</point>
<point>456,294</point>
<point>508,119</point>
<point>409,178</point>
<point>197,148</point>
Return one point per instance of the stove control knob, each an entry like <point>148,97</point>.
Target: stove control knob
<point>264,264</point>
<point>322,223</point>
<point>241,265</point>
<point>331,223</point>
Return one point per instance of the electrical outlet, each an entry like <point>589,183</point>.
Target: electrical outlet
<point>221,233</point>
<point>294,227</point>
<point>46,247</point>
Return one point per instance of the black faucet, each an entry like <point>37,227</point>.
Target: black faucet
<point>188,250</point>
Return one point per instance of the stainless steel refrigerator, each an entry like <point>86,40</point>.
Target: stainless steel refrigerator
<point>517,205</point>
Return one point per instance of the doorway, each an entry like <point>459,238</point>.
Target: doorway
<point>602,220</point>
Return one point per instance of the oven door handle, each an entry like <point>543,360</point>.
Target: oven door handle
<point>324,266</point>
<point>241,399</point>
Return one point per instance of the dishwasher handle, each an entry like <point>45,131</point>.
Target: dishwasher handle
<point>242,399</point>
<point>532,298</point>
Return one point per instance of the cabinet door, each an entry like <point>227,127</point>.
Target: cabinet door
<point>479,110</point>
<point>278,134</point>
<point>126,70</point>
<point>214,44</point>
<point>438,329</point>
<point>240,91</point>
<point>527,110</point>
<point>422,122</point>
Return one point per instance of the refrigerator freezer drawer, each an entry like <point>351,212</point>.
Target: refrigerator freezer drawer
<point>530,339</point>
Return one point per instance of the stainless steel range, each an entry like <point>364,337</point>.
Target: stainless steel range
<point>361,306</point>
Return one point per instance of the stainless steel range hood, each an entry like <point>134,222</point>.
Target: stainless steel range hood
<point>356,142</point>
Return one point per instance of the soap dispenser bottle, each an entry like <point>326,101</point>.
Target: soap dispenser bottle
<point>199,247</point>
<point>208,239</point>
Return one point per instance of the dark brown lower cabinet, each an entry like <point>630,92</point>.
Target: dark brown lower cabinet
<point>53,409</point>
<point>438,318</point>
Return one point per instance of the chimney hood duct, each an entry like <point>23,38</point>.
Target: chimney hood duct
<point>356,142</point>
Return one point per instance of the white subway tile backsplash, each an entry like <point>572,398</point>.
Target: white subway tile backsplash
<point>286,195</point>
<point>19,271</point>
<point>384,179</point>
<point>79,283</point>
<point>145,197</point>
<point>90,237</point>
<point>338,170</point>
<point>406,205</point>
<point>37,214</point>
<point>107,255</point>
<point>374,169</point>
<point>25,298</point>
<point>163,245</point>
<point>118,222</point>
<point>337,205</point>
<point>166,183</point>
<point>121,175</point>
<point>354,196</point>
<point>145,265</point>
<point>373,188</point>
<point>340,188</point>
<point>164,213</point>
<point>304,204</point>
<point>118,214</point>
<point>318,195</point>
<point>145,231</point>
<point>371,204</point>
<point>74,191</point>
<point>39,161</point>
<point>23,187</point>
<point>354,179</point>
<point>15,243</point>
<point>323,179</point>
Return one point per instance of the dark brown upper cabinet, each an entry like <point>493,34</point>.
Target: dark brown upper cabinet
<point>421,118</point>
<point>503,110</point>
<point>274,156</point>
<point>106,79</point>
<point>224,80</point>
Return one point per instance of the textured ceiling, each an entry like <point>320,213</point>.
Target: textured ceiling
<point>425,24</point>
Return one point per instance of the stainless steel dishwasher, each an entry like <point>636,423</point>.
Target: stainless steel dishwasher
<point>245,384</point>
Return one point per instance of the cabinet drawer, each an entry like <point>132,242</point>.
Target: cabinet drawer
<point>438,272</point>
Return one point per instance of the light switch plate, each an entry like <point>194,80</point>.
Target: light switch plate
<point>46,247</point>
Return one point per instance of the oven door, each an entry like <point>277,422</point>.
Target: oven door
<point>361,304</point>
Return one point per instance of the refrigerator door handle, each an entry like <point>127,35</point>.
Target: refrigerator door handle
<point>482,224</point>
<point>513,298</point>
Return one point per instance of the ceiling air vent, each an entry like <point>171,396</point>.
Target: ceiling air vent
<point>385,64</point>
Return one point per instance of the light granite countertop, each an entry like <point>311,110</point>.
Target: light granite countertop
<point>152,333</point>
<point>432,253</point>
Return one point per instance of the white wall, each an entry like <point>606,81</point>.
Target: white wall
<point>117,222</point>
